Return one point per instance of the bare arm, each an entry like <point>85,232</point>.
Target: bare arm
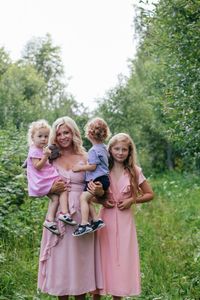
<point>80,168</point>
<point>39,163</point>
<point>145,196</point>
<point>146,193</point>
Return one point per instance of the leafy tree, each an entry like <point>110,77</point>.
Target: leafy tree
<point>170,39</point>
<point>21,94</point>
<point>46,59</point>
<point>5,61</point>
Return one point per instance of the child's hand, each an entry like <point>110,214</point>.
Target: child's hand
<point>46,151</point>
<point>76,168</point>
<point>125,204</point>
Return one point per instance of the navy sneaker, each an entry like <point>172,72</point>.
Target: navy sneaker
<point>98,224</point>
<point>82,229</point>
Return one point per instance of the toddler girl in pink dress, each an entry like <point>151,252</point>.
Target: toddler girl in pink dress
<point>41,175</point>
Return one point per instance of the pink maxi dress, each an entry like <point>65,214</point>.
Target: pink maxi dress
<point>69,265</point>
<point>118,243</point>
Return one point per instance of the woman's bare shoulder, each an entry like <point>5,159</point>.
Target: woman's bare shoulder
<point>82,157</point>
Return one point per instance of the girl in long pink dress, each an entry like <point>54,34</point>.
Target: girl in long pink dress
<point>67,265</point>
<point>118,239</point>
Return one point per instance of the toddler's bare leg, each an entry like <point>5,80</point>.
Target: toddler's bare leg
<point>85,199</point>
<point>93,213</point>
<point>63,199</point>
<point>53,206</point>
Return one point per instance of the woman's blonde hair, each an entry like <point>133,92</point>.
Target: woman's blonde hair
<point>34,126</point>
<point>97,129</point>
<point>76,136</point>
<point>131,160</point>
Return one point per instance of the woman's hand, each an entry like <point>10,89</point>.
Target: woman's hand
<point>108,204</point>
<point>125,204</point>
<point>96,188</point>
<point>58,187</point>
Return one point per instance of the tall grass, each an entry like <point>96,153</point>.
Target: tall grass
<point>169,239</point>
<point>168,234</point>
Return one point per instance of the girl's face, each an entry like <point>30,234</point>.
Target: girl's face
<point>64,136</point>
<point>40,137</point>
<point>119,152</point>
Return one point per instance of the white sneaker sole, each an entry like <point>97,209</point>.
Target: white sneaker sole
<point>67,222</point>
<point>83,233</point>
<point>52,231</point>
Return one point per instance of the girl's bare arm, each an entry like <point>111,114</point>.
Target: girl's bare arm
<point>145,196</point>
<point>39,163</point>
<point>147,193</point>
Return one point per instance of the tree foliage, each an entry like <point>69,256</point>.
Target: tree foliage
<point>41,53</point>
<point>34,86</point>
<point>171,41</point>
<point>21,91</point>
<point>159,102</point>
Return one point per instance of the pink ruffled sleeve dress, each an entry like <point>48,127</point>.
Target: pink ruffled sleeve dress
<point>69,265</point>
<point>39,181</point>
<point>118,243</point>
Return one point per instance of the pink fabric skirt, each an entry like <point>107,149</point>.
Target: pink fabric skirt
<point>70,265</point>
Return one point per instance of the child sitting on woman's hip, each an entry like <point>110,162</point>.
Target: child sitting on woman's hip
<point>97,131</point>
<point>41,174</point>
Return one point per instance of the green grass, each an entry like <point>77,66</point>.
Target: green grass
<point>168,234</point>
<point>169,239</point>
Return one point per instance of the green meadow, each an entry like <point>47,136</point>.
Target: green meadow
<point>168,234</point>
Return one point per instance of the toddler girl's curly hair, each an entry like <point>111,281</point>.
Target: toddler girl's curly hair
<point>97,129</point>
<point>35,126</point>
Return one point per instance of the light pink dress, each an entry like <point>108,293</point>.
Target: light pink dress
<point>118,243</point>
<point>70,265</point>
<point>39,181</point>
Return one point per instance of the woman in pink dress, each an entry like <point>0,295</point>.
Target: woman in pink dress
<point>118,239</point>
<point>67,265</point>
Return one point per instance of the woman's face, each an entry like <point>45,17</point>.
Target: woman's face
<point>119,152</point>
<point>64,136</point>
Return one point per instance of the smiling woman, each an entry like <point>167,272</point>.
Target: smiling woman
<point>69,266</point>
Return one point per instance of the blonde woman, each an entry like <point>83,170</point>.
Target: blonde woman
<point>64,267</point>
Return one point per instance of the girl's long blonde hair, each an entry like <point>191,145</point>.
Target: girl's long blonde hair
<point>131,161</point>
<point>71,124</point>
<point>34,126</point>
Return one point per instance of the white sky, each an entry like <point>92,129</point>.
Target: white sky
<point>95,36</point>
